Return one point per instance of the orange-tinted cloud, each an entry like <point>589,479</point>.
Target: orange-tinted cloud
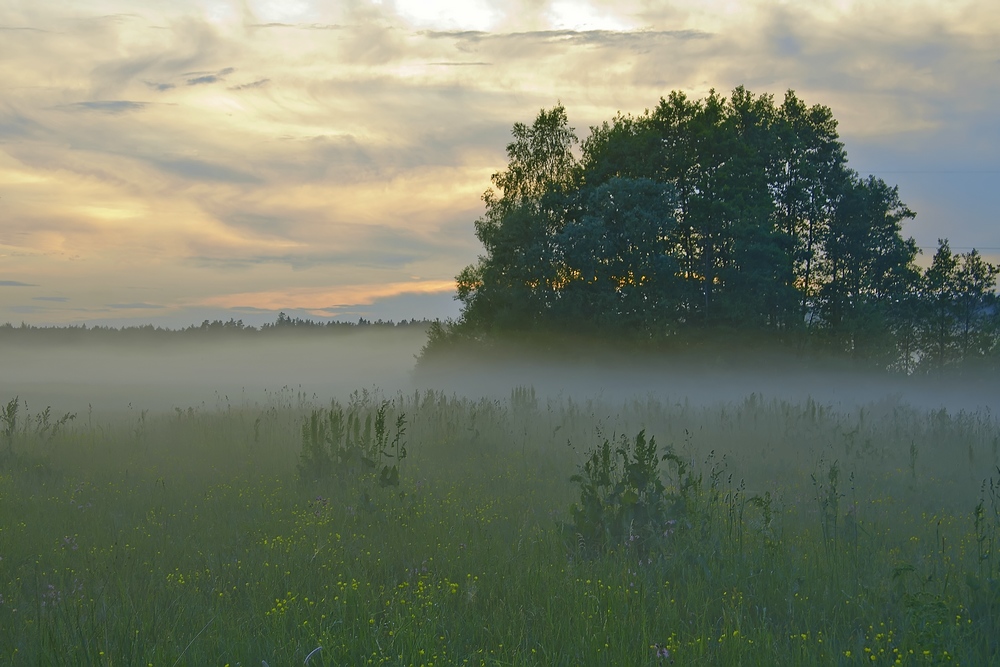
<point>326,299</point>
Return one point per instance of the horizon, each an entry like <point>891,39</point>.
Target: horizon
<point>293,320</point>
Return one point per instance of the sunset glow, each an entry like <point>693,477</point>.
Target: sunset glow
<point>169,162</point>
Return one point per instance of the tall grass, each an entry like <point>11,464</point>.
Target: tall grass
<point>790,534</point>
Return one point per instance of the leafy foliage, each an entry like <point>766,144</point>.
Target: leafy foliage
<point>18,425</point>
<point>9,419</point>
<point>959,322</point>
<point>623,500</point>
<point>714,216</point>
<point>341,444</point>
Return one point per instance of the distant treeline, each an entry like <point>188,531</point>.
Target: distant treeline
<point>215,329</point>
<point>726,222</point>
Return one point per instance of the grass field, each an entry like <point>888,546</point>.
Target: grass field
<point>773,533</point>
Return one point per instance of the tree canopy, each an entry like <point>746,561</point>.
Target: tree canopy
<point>728,215</point>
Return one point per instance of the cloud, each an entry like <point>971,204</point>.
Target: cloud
<point>297,26</point>
<point>198,80</point>
<point>470,35</point>
<point>54,299</point>
<point>210,78</point>
<point>576,37</point>
<point>193,169</point>
<point>15,125</point>
<point>361,257</point>
<point>15,283</point>
<point>301,241</point>
<point>134,306</point>
<point>161,87</point>
<point>259,83</point>
<point>324,298</point>
<point>397,307</point>
<point>108,106</point>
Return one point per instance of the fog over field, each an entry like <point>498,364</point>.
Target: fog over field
<point>230,371</point>
<point>263,496</point>
<point>210,374</point>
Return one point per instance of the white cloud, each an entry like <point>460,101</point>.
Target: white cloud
<point>576,15</point>
<point>284,11</point>
<point>446,14</point>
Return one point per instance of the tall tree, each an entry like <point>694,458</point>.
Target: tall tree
<point>867,267</point>
<point>939,295</point>
<point>753,291</point>
<point>510,286</point>
<point>673,123</point>
<point>959,305</point>
<point>811,170</point>
<point>977,306</point>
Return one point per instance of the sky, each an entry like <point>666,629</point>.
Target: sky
<point>170,162</point>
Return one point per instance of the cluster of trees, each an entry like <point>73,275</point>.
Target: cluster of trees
<point>206,330</point>
<point>285,322</point>
<point>733,216</point>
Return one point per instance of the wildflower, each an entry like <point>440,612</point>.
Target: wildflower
<point>662,652</point>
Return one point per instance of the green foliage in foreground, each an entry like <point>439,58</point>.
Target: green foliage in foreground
<point>623,499</point>
<point>335,445</point>
<point>795,535</point>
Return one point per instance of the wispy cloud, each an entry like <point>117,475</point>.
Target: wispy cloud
<point>259,83</point>
<point>203,78</point>
<point>107,106</point>
<point>297,26</point>
<point>320,298</point>
<point>15,283</point>
<point>134,306</point>
<point>588,37</point>
<point>193,169</point>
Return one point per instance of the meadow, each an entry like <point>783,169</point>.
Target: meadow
<point>428,528</point>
